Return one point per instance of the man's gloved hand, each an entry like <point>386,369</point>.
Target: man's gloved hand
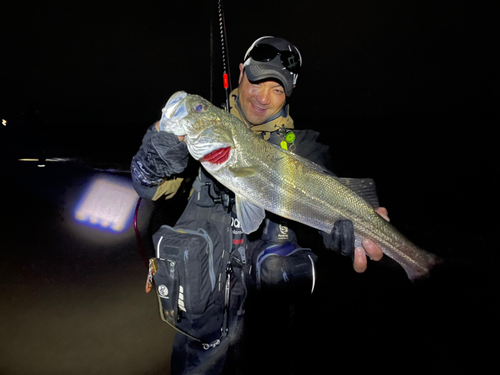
<point>341,239</point>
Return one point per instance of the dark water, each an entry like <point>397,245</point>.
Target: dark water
<point>73,300</point>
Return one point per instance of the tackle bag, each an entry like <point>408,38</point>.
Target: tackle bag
<point>190,281</point>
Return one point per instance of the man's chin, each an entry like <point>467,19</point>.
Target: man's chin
<point>257,118</point>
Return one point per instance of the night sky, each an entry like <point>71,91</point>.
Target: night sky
<point>118,62</point>
<point>401,92</point>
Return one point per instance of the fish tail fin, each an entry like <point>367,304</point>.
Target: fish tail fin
<point>421,269</point>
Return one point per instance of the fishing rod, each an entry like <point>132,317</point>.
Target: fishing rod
<point>226,72</point>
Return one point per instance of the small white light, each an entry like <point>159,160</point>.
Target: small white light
<point>4,122</point>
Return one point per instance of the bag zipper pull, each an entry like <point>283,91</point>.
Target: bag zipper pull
<point>153,267</point>
<point>229,271</point>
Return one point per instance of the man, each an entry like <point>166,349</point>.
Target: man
<point>267,78</point>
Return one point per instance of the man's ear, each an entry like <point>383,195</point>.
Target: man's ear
<point>242,72</point>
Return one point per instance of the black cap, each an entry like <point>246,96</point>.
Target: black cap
<point>285,71</point>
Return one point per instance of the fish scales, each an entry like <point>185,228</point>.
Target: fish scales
<point>283,183</point>
<point>281,186</point>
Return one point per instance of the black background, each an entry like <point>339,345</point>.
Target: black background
<point>401,92</point>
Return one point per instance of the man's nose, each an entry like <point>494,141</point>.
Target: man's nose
<point>264,96</point>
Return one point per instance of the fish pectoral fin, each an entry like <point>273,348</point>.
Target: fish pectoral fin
<point>250,215</point>
<point>244,171</point>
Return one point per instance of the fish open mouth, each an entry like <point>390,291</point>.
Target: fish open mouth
<point>218,156</point>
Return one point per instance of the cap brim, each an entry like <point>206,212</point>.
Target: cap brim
<point>257,71</point>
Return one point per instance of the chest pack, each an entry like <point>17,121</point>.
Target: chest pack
<point>193,276</point>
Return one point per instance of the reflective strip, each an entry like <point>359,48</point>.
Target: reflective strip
<point>180,301</point>
<point>158,248</point>
<point>313,275</point>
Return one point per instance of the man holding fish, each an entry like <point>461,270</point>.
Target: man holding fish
<point>267,78</point>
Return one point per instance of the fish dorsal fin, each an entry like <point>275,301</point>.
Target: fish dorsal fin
<point>364,187</point>
<point>249,214</point>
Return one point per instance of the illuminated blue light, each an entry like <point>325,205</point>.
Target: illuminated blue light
<point>108,204</point>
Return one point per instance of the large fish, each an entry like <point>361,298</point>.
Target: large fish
<point>266,177</point>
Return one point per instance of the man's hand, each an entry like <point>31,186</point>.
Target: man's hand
<point>180,137</point>
<point>374,252</point>
<point>341,240</point>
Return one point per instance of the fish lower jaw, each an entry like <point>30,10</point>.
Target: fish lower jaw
<point>214,168</point>
<point>217,167</point>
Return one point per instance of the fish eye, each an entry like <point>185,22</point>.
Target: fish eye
<point>199,108</point>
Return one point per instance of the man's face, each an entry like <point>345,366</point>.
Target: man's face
<point>259,101</point>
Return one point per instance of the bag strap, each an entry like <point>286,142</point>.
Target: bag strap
<point>209,214</point>
<point>205,346</point>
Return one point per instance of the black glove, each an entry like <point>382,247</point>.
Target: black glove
<point>341,239</point>
<point>161,155</point>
